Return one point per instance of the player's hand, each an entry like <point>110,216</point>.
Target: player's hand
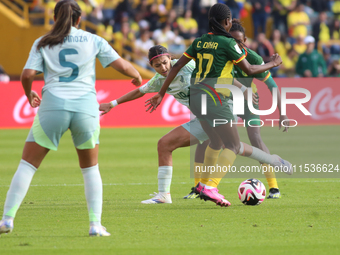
<point>255,99</point>
<point>153,102</point>
<point>137,81</point>
<point>286,122</point>
<point>105,108</point>
<point>34,99</point>
<point>276,59</point>
<point>308,73</point>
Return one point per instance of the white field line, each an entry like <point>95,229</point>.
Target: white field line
<point>139,184</point>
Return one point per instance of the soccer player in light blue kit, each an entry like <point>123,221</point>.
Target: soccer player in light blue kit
<point>189,133</point>
<point>67,58</point>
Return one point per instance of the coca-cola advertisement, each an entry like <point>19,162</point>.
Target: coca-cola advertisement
<point>323,105</point>
<point>322,96</point>
<point>19,114</point>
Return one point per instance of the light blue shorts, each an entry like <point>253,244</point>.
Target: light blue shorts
<point>49,126</point>
<point>194,127</point>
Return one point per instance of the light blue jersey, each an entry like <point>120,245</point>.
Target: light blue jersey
<point>179,87</point>
<point>69,71</point>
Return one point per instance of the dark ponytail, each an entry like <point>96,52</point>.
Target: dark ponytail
<point>217,13</point>
<point>66,13</point>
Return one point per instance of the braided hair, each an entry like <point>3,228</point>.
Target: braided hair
<point>237,26</point>
<point>217,13</point>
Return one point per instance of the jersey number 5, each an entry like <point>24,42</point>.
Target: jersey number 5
<point>64,63</point>
<point>210,59</point>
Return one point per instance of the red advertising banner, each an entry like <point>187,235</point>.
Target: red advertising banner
<point>324,104</point>
<point>19,114</point>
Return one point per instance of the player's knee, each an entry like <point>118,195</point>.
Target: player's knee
<point>168,143</point>
<point>236,148</point>
<point>215,144</point>
<point>233,147</point>
<point>163,144</point>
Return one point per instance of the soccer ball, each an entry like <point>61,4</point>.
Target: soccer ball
<point>252,192</point>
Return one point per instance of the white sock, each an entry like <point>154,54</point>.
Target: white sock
<point>208,187</point>
<point>261,156</point>
<point>93,193</point>
<point>19,186</point>
<point>164,179</point>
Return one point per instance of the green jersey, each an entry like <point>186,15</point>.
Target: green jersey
<point>313,61</point>
<point>215,56</point>
<point>254,59</point>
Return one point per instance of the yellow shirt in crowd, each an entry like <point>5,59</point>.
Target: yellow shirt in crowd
<point>282,48</point>
<point>285,3</point>
<point>300,48</point>
<point>324,35</point>
<point>336,7</point>
<point>84,7</point>
<point>105,32</point>
<point>295,18</point>
<point>110,4</point>
<point>187,24</point>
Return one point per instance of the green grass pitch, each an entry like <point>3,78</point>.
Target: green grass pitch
<point>53,218</point>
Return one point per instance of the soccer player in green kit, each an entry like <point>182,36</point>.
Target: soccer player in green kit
<point>214,54</point>
<point>238,32</point>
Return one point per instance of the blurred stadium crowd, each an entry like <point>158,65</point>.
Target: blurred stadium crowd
<point>306,33</point>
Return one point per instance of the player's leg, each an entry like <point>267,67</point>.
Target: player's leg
<point>246,150</point>
<point>202,140</point>
<point>253,124</point>
<point>176,138</point>
<point>212,154</point>
<point>210,176</point>
<point>88,161</point>
<point>32,156</point>
<point>44,135</point>
<point>199,158</point>
<point>85,131</point>
<point>230,138</point>
<point>254,134</point>
<point>198,168</point>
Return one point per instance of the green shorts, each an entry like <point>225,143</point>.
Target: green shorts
<point>49,126</point>
<point>217,112</point>
<point>250,118</point>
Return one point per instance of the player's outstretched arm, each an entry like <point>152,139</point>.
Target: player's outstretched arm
<point>154,101</point>
<point>127,69</point>
<point>130,96</point>
<point>27,77</point>
<point>256,69</point>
